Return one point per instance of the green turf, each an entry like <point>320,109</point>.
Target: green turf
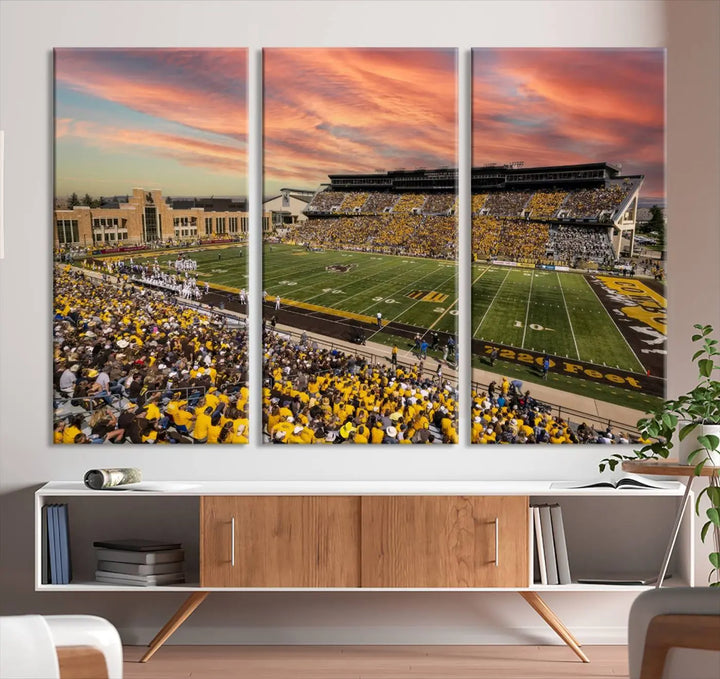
<point>603,392</point>
<point>223,266</point>
<point>547,311</point>
<point>544,311</point>
<point>374,283</point>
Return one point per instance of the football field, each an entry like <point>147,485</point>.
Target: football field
<point>529,309</point>
<point>547,311</point>
<point>411,290</point>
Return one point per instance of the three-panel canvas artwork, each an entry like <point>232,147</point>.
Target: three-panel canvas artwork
<point>362,232</point>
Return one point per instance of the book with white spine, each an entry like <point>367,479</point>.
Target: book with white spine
<point>561,552</point>
<point>539,545</point>
<point>549,545</point>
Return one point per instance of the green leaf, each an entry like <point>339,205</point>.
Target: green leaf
<point>653,428</point>
<point>695,453</point>
<point>713,493</point>
<point>710,441</point>
<point>698,353</point>
<point>714,515</point>
<point>715,559</point>
<point>704,530</point>
<point>688,429</point>
<point>699,467</point>
<point>695,338</point>
<point>705,366</point>
<point>669,420</point>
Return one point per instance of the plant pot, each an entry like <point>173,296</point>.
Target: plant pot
<point>691,443</point>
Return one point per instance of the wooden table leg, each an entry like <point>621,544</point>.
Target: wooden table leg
<point>181,615</point>
<point>548,615</point>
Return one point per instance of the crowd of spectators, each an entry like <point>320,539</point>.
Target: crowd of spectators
<point>509,239</point>
<point>506,203</point>
<point>504,413</point>
<point>544,204</point>
<point>352,202</point>
<point>440,203</point>
<point>377,203</point>
<point>325,201</point>
<point>409,202</point>
<point>478,201</point>
<point>589,203</point>
<point>507,225</point>
<point>317,395</point>
<point>576,244</point>
<point>132,364</point>
<point>430,236</point>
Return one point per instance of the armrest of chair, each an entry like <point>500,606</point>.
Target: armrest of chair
<point>81,662</point>
<point>88,631</point>
<point>685,618</point>
<point>699,632</point>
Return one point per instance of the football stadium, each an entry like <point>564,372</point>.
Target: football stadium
<point>560,298</point>
<point>360,311</point>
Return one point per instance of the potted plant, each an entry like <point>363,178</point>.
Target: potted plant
<point>696,412</point>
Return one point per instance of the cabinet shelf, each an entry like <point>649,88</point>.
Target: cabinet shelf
<point>610,521</point>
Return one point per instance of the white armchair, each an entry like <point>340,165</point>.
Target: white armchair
<point>674,633</point>
<point>59,647</point>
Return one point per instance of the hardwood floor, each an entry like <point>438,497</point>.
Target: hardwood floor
<point>375,662</point>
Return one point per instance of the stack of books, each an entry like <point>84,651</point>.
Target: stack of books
<point>56,563</point>
<point>141,563</point>
<point>552,565</point>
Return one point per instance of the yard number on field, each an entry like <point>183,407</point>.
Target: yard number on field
<point>532,326</point>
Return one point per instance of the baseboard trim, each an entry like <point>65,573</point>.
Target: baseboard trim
<point>375,636</point>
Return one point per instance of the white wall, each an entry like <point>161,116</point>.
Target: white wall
<point>28,33</point>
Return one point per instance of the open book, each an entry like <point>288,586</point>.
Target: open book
<point>625,482</point>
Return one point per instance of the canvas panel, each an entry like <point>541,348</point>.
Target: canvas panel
<point>150,230</point>
<point>568,243</point>
<point>359,264</point>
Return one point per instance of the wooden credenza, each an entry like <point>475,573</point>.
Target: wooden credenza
<point>374,541</point>
<point>362,536</point>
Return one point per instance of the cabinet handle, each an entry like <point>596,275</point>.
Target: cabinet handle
<point>232,542</point>
<point>497,542</point>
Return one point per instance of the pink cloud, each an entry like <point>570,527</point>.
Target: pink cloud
<point>552,106</point>
<point>185,150</point>
<point>339,110</point>
<point>203,89</point>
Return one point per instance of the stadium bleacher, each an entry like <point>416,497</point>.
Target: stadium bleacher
<point>134,365</point>
<point>543,226</point>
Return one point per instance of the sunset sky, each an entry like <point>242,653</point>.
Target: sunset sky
<point>340,110</point>
<point>173,119</point>
<point>557,106</point>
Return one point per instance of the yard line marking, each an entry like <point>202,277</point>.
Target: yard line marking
<point>612,323</point>
<point>457,299</point>
<point>527,310</point>
<point>567,311</point>
<point>492,301</point>
<point>366,290</point>
<point>409,286</point>
<point>309,278</point>
<point>409,353</point>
